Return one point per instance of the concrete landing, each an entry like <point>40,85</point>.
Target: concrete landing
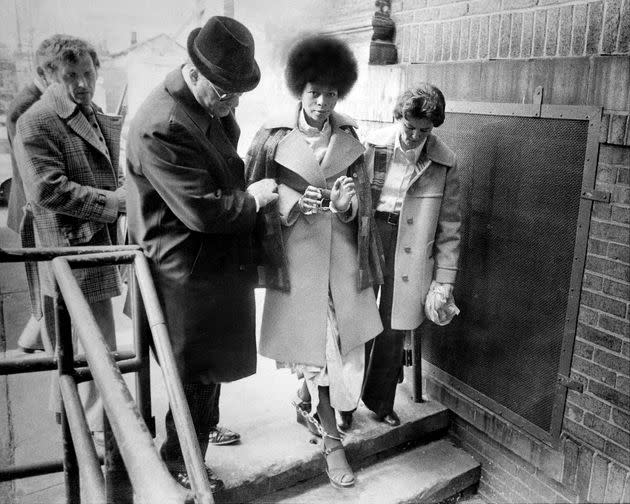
<point>429,473</point>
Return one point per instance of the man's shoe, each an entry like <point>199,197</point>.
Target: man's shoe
<point>216,485</point>
<point>391,419</point>
<point>220,436</point>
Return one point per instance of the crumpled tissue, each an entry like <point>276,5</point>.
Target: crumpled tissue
<point>439,307</point>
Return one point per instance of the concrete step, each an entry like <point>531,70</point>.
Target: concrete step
<point>428,473</point>
<point>276,452</point>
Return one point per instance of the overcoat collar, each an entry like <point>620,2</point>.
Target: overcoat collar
<point>57,98</point>
<point>176,86</point>
<point>295,154</point>
<point>434,149</point>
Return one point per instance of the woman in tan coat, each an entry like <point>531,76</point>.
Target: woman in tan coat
<point>321,258</point>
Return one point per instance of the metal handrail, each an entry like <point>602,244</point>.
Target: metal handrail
<point>150,479</point>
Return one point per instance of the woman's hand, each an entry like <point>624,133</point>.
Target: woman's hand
<point>342,193</point>
<point>309,201</point>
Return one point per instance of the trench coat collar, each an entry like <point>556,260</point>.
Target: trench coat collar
<point>295,154</point>
<point>176,86</point>
<point>57,98</point>
<point>434,148</point>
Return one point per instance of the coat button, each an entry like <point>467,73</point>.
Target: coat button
<point>408,250</point>
<point>410,220</point>
<point>405,278</point>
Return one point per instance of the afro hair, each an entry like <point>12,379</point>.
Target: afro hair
<point>324,60</point>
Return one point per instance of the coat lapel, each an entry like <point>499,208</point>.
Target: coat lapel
<point>111,127</point>
<point>295,154</point>
<point>343,150</point>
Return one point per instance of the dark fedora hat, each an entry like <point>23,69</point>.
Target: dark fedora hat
<point>223,51</point>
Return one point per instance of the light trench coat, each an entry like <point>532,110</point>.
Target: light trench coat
<point>322,256</point>
<point>428,240</point>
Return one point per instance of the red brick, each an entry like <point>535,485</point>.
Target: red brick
<point>615,325</point>
<point>601,210</point>
<point>455,35</point>
<point>574,412</point>
<point>570,449</point>
<point>587,316</point>
<point>592,370</point>
<point>438,42</point>
<point>429,40</point>
<point>613,154</point>
<point>518,4</point>
<point>584,468</point>
<point>623,386</point>
<point>606,173</point>
<point>621,418</point>
<point>620,214</point>
<point>621,196</point>
<point>564,35</point>
<point>454,10</point>
<point>614,486</point>
<point>604,303</point>
<point>528,35</point>
<point>594,31</point>
<point>623,40</point>
<point>551,44</point>
<point>504,35</point>
<point>598,479</point>
<point>581,433</point>
<point>617,453</point>
<point>612,361</point>
<point>607,430</point>
<point>617,129</point>
<point>623,176</point>
<point>598,337</point>
<point>464,39</point>
<point>608,394</point>
<point>516,32</point>
<point>597,247</point>
<point>413,43</point>
<point>446,41</point>
<point>493,34</point>
<point>619,252</point>
<point>610,232</point>
<point>583,350</point>
<point>483,6</point>
<point>589,403</point>
<point>612,13</point>
<point>578,37</point>
<point>592,282</point>
<point>424,15</point>
<point>484,37</point>
<point>617,289</point>
<point>473,45</point>
<point>413,4</point>
<point>625,349</point>
<point>540,21</point>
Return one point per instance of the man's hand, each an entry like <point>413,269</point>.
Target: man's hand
<point>121,194</point>
<point>342,192</point>
<point>265,191</point>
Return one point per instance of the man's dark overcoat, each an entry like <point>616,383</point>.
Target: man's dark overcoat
<point>187,207</point>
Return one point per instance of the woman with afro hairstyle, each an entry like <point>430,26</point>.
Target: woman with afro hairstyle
<point>319,250</point>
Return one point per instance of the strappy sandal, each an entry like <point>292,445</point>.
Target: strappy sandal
<point>339,477</point>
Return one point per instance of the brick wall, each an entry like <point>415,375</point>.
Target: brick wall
<point>500,51</point>
<point>443,30</point>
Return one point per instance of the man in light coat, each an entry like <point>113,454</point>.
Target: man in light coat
<point>415,191</point>
<point>189,210</point>
<point>67,154</point>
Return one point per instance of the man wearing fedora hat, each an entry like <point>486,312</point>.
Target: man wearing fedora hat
<point>190,211</point>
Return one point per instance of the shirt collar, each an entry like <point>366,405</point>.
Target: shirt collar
<point>309,130</point>
<point>412,155</point>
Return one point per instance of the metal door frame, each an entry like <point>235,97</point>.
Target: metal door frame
<point>593,115</point>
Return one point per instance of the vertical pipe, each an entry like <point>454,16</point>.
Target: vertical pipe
<point>63,334</point>
<point>142,336</point>
<point>416,348</point>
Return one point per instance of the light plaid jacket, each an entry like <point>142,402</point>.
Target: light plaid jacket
<point>70,176</point>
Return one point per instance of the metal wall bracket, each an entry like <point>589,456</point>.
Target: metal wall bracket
<point>538,99</point>
<point>603,196</point>
<point>567,382</point>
